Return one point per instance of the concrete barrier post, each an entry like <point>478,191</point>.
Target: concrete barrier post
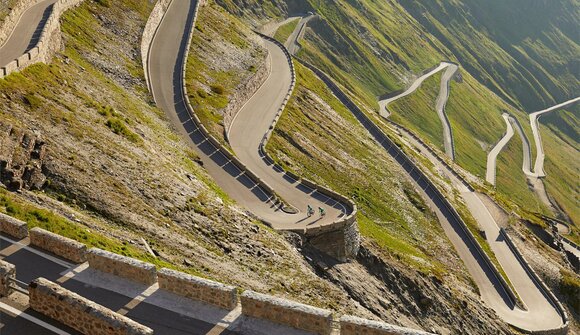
<point>196,288</point>
<point>13,227</point>
<point>61,246</point>
<point>79,313</point>
<point>286,312</point>
<point>7,275</point>
<point>126,267</point>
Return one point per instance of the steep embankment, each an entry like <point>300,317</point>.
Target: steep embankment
<point>116,171</point>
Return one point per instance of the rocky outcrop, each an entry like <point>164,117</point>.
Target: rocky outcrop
<point>22,159</point>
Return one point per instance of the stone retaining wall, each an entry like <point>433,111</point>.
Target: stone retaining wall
<point>7,275</point>
<point>286,312</point>
<point>126,267</point>
<point>547,292</point>
<point>198,288</point>
<point>48,43</point>
<point>13,227</point>
<point>352,325</point>
<point>80,313</point>
<point>58,245</point>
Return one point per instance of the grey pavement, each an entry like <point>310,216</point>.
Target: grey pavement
<point>26,33</point>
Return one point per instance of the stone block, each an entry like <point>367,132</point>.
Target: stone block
<point>196,288</point>
<point>286,312</point>
<point>79,313</point>
<point>352,325</point>
<point>126,267</point>
<point>61,246</point>
<point>13,227</point>
<point>7,275</point>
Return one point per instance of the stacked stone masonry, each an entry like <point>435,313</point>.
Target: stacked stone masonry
<point>286,312</point>
<point>352,325</point>
<point>79,313</point>
<point>125,267</point>
<point>198,288</point>
<point>13,227</point>
<point>61,246</point>
<point>7,275</point>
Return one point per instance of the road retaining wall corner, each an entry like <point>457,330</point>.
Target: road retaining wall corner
<point>13,227</point>
<point>286,312</point>
<point>80,313</point>
<point>7,275</point>
<point>199,289</point>
<point>61,246</point>
<point>122,266</point>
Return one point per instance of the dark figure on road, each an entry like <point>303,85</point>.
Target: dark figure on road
<point>310,211</point>
<point>322,211</point>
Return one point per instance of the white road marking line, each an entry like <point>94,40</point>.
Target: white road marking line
<point>11,310</point>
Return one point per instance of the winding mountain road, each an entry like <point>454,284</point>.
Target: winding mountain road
<point>534,122</point>
<point>248,128</point>
<point>26,33</point>
<point>490,172</point>
<point>539,312</point>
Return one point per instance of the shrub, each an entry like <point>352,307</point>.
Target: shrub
<point>218,89</point>
<point>119,128</point>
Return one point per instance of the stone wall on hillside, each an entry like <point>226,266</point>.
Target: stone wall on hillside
<point>80,313</point>
<point>61,246</point>
<point>122,266</point>
<point>7,275</point>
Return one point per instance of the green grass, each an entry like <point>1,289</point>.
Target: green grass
<point>570,288</point>
<point>417,111</point>
<point>285,30</point>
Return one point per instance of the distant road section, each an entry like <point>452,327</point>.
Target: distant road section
<point>534,122</point>
<point>492,156</point>
<point>450,70</point>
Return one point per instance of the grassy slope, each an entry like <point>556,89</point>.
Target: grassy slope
<point>285,30</point>
<point>417,111</point>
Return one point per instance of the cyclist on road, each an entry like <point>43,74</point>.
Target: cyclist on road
<point>322,211</point>
<point>310,211</point>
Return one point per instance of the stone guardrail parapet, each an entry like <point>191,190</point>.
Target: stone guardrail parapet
<point>352,325</point>
<point>378,132</point>
<point>7,275</point>
<point>61,246</point>
<point>286,312</point>
<point>546,290</point>
<point>196,288</point>
<point>122,266</point>
<point>13,227</point>
<point>45,47</point>
<point>80,313</point>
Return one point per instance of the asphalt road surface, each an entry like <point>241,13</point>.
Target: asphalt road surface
<point>248,128</point>
<point>490,172</point>
<point>26,33</point>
